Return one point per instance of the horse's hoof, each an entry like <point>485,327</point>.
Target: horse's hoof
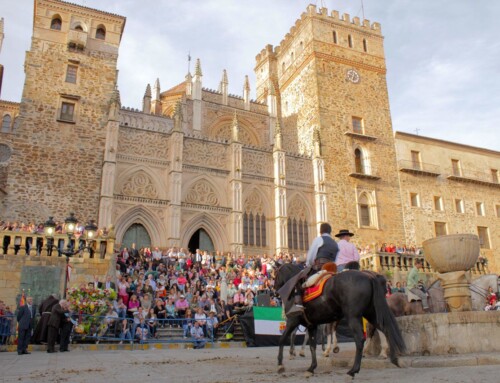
<point>302,354</point>
<point>383,355</point>
<point>349,378</point>
<point>292,357</point>
<point>281,369</point>
<point>308,374</point>
<point>326,354</point>
<point>336,350</point>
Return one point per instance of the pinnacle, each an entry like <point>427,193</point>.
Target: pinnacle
<point>148,91</point>
<point>197,70</point>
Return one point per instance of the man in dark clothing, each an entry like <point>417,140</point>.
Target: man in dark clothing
<point>323,250</point>
<point>25,315</point>
<point>40,334</point>
<point>57,318</point>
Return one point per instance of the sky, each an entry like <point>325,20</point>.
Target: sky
<point>442,56</point>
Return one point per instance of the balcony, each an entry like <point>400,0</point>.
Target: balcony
<point>419,168</point>
<point>360,136</point>
<point>77,40</point>
<point>388,263</point>
<point>473,176</point>
<point>365,171</point>
<point>35,245</point>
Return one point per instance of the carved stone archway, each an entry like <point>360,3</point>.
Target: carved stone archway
<point>212,226</point>
<point>141,215</point>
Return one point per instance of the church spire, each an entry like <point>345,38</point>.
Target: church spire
<point>146,100</point>
<point>223,87</point>
<point>156,90</point>
<point>246,93</point>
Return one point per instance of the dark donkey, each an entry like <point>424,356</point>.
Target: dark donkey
<point>351,294</point>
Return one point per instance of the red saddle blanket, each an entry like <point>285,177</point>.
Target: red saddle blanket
<point>315,291</point>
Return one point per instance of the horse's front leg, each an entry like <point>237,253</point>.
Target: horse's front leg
<point>312,345</point>
<point>292,344</point>
<point>291,325</point>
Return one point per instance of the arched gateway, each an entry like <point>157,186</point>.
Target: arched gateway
<point>201,240</point>
<point>137,234</point>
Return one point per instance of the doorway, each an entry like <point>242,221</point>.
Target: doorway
<point>136,234</point>
<point>201,240</point>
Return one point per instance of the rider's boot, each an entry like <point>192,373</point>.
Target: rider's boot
<point>297,309</point>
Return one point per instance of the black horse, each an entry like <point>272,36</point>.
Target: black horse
<point>352,295</point>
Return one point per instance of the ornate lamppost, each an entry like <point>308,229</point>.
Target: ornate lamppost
<point>70,223</point>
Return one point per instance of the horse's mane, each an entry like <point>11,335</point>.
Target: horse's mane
<point>284,273</point>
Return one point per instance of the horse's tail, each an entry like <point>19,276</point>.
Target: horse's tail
<point>386,320</point>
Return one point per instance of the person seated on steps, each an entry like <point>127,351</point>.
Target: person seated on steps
<point>323,250</point>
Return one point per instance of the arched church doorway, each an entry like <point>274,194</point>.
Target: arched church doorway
<point>200,240</point>
<point>136,234</point>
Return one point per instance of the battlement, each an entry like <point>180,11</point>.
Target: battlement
<point>363,26</point>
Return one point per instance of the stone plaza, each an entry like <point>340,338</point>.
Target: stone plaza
<point>245,365</point>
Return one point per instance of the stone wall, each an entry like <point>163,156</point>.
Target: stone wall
<point>14,278</point>
<point>433,178</point>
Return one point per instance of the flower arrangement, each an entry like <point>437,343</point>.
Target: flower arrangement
<point>91,305</point>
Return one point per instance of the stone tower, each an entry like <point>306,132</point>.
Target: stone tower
<point>70,79</point>
<point>329,74</point>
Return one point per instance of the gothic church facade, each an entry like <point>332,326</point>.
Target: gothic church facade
<point>203,168</point>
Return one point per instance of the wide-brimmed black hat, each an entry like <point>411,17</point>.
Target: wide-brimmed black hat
<point>343,232</point>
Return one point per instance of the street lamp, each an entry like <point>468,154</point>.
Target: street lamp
<point>70,228</point>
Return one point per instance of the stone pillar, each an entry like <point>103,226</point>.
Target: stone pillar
<point>456,290</point>
<point>176,143</point>
<point>279,156</point>
<point>236,191</point>
<point>108,174</point>
<point>197,94</point>
<point>320,196</point>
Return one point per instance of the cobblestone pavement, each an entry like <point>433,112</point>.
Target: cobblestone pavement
<point>226,365</point>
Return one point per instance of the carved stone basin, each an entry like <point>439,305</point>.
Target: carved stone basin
<point>455,252</point>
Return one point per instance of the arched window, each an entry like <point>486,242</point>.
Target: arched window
<point>349,40</point>
<point>56,23</point>
<point>365,45</point>
<point>6,123</point>
<point>79,28</point>
<point>100,33</point>
<point>361,162</point>
<point>365,218</point>
<point>254,229</point>
<point>358,161</point>
<point>298,234</point>
<point>335,37</point>
<point>301,46</point>
<point>283,67</point>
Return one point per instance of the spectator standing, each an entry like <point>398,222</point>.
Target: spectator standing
<point>25,315</point>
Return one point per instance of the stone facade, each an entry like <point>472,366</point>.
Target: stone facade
<point>449,188</point>
<point>249,176</point>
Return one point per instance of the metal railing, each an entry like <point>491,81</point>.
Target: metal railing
<point>419,166</point>
<point>473,175</point>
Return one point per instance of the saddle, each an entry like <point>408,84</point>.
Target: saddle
<point>314,285</point>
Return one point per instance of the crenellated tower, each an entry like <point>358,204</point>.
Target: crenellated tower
<point>329,74</point>
<point>68,94</point>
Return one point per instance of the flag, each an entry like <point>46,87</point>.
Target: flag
<point>269,321</point>
<point>22,301</point>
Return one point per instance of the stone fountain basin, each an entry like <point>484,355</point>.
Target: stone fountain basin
<point>451,333</point>
<point>455,252</point>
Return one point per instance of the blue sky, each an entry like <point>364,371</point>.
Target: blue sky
<point>443,56</point>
